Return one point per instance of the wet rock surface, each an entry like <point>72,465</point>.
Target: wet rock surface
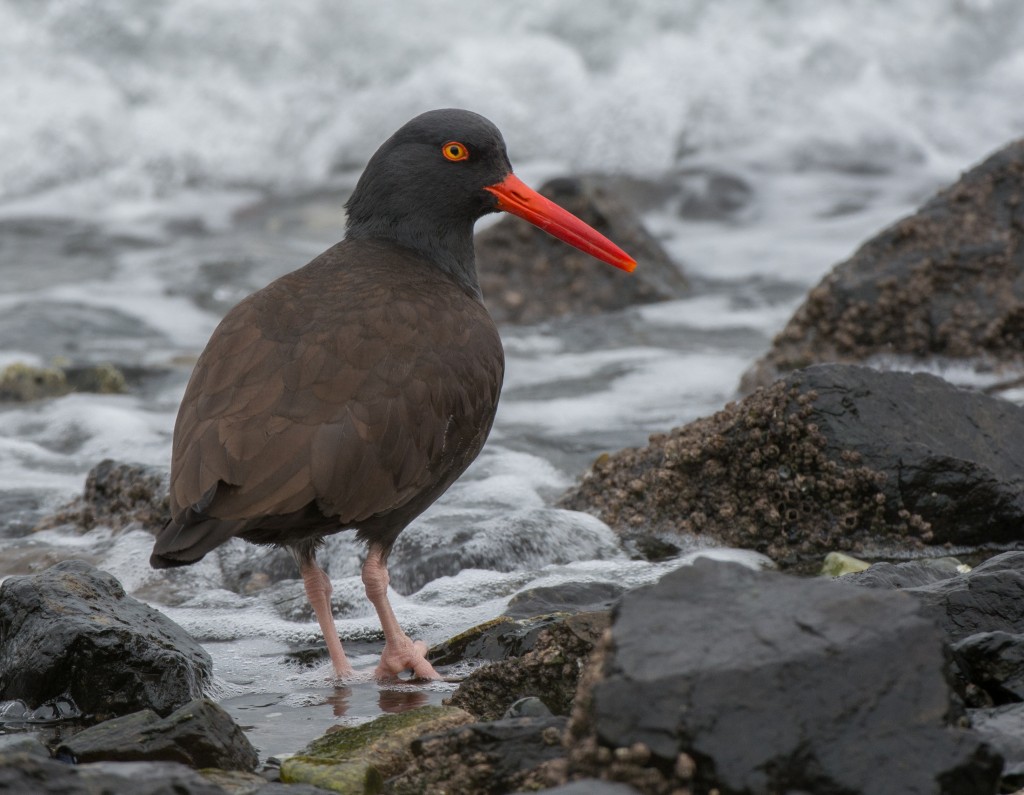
<point>72,631</point>
<point>947,281</point>
<point>527,276</point>
<point>788,684</point>
<point>507,755</point>
<point>989,598</point>
<point>549,670</point>
<point>199,734</point>
<point>584,597</point>
<point>831,457</point>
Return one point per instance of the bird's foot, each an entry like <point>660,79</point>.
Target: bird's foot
<point>405,655</point>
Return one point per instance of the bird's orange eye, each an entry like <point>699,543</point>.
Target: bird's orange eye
<point>454,151</point>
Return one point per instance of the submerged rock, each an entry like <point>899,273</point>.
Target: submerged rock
<point>199,734</point>
<point>947,281</point>
<point>832,457</point>
<point>527,276</point>
<point>772,683</point>
<point>72,631</point>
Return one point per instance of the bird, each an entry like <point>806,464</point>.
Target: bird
<point>349,394</point>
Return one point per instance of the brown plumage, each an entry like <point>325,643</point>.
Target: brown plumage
<point>347,394</point>
<point>352,392</point>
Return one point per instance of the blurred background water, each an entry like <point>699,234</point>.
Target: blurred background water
<point>160,160</point>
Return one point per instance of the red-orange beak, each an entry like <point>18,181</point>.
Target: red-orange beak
<point>516,197</point>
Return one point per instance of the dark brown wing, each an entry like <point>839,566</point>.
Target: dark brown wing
<point>355,383</point>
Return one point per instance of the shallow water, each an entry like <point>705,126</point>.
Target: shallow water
<point>165,159</point>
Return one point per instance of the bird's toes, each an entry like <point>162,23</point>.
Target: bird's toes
<point>406,656</point>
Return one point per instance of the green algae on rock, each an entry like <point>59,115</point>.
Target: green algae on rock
<point>358,759</point>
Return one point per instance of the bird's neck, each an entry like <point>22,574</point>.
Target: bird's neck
<point>448,248</point>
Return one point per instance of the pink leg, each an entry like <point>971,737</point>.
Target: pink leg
<point>400,652</point>
<point>318,589</point>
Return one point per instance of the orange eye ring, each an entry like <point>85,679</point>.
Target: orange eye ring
<point>455,151</point>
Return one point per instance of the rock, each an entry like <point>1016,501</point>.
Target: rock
<point>550,670</point>
<point>21,383</point>
<point>528,707</point>
<point>575,597</point>
<point>26,743</point>
<point>359,758</point>
<point>909,574</point>
<point>497,639</point>
<point>118,495</point>
<point>72,631</point>
<point>22,774</point>
<point>481,758</point>
<point>834,457</point>
<point>199,734</point>
<point>993,661</point>
<point>591,786</point>
<point>989,598</point>
<point>1003,728</point>
<point>786,684</point>
<point>947,281</point>
<point>511,541</point>
<point>836,564</point>
<point>526,276</point>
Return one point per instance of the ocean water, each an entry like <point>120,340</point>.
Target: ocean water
<point>160,160</point>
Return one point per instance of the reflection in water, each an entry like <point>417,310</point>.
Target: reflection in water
<point>393,700</point>
<point>339,700</point>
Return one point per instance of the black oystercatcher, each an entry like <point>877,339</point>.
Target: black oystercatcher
<point>352,392</point>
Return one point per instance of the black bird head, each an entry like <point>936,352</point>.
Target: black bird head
<point>426,186</point>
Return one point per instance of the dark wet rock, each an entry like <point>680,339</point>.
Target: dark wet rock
<point>361,758</point>
<point>497,639</point>
<point>21,774</point>
<point>570,597</point>
<point>947,281</point>
<point>834,457</point>
<point>994,662</point>
<point>118,495</point>
<point>908,574</point>
<point>527,276</point>
<point>72,631</point>
<point>790,684</point>
<point>989,598</point>
<point>505,755</point>
<point>1003,729</point>
<point>199,734</point>
<point>549,671</point>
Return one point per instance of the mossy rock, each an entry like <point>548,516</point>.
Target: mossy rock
<point>358,759</point>
<point>20,382</point>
